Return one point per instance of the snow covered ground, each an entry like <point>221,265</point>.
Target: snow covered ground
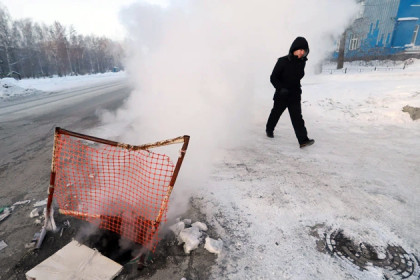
<point>272,203</point>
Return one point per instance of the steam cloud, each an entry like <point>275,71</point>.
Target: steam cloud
<point>198,65</point>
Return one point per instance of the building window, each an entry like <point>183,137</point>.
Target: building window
<point>415,33</point>
<point>354,42</point>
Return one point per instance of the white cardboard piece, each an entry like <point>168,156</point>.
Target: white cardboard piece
<point>75,261</point>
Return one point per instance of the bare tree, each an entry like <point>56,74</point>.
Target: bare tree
<point>5,39</point>
<point>41,57</point>
<point>59,48</point>
<point>39,50</point>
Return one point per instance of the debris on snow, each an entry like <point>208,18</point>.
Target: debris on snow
<point>2,245</point>
<point>30,245</point>
<point>78,261</point>
<point>51,222</point>
<point>49,225</point>
<point>177,228</point>
<point>214,246</point>
<point>34,213</point>
<point>187,222</point>
<point>200,225</point>
<point>66,224</point>
<point>36,236</point>
<point>5,213</point>
<point>191,234</point>
<point>191,238</point>
<point>21,202</point>
<point>41,203</point>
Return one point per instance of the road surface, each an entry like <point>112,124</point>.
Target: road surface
<point>26,139</point>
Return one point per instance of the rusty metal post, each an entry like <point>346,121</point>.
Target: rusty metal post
<point>123,145</point>
<point>50,192</point>
<point>174,177</point>
<point>52,176</point>
<point>142,256</point>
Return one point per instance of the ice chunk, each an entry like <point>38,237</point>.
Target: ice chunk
<point>214,246</point>
<point>191,238</point>
<point>21,202</point>
<point>41,203</point>
<point>2,245</point>
<point>34,213</point>
<point>200,225</point>
<point>177,228</point>
<point>187,222</point>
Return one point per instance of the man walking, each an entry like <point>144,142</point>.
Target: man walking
<point>286,76</point>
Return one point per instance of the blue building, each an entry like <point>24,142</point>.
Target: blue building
<point>384,28</point>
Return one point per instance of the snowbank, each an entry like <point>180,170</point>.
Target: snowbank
<point>13,89</point>
<point>10,88</point>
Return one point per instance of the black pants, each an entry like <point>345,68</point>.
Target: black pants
<point>292,103</point>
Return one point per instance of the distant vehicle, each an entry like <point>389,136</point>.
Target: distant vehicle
<point>116,69</point>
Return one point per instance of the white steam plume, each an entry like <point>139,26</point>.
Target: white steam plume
<point>197,66</point>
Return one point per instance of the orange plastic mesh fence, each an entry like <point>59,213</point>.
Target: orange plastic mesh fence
<point>118,189</point>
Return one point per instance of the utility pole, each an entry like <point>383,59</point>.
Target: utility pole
<point>341,49</point>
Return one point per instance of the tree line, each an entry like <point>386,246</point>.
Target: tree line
<point>31,50</point>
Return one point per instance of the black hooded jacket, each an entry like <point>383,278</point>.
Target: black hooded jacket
<point>289,70</point>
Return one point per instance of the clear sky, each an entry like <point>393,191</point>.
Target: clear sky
<point>98,17</point>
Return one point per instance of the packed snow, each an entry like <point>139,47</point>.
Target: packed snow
<point>271,202</point>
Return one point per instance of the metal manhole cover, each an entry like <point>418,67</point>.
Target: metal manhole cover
<point>396,262</point>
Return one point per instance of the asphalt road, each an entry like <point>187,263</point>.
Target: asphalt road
<point>26,141</point>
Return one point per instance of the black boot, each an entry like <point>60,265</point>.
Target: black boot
<point>270,134</point>
<point>307,142</point>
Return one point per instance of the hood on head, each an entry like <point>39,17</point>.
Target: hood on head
<point>299,43</point>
